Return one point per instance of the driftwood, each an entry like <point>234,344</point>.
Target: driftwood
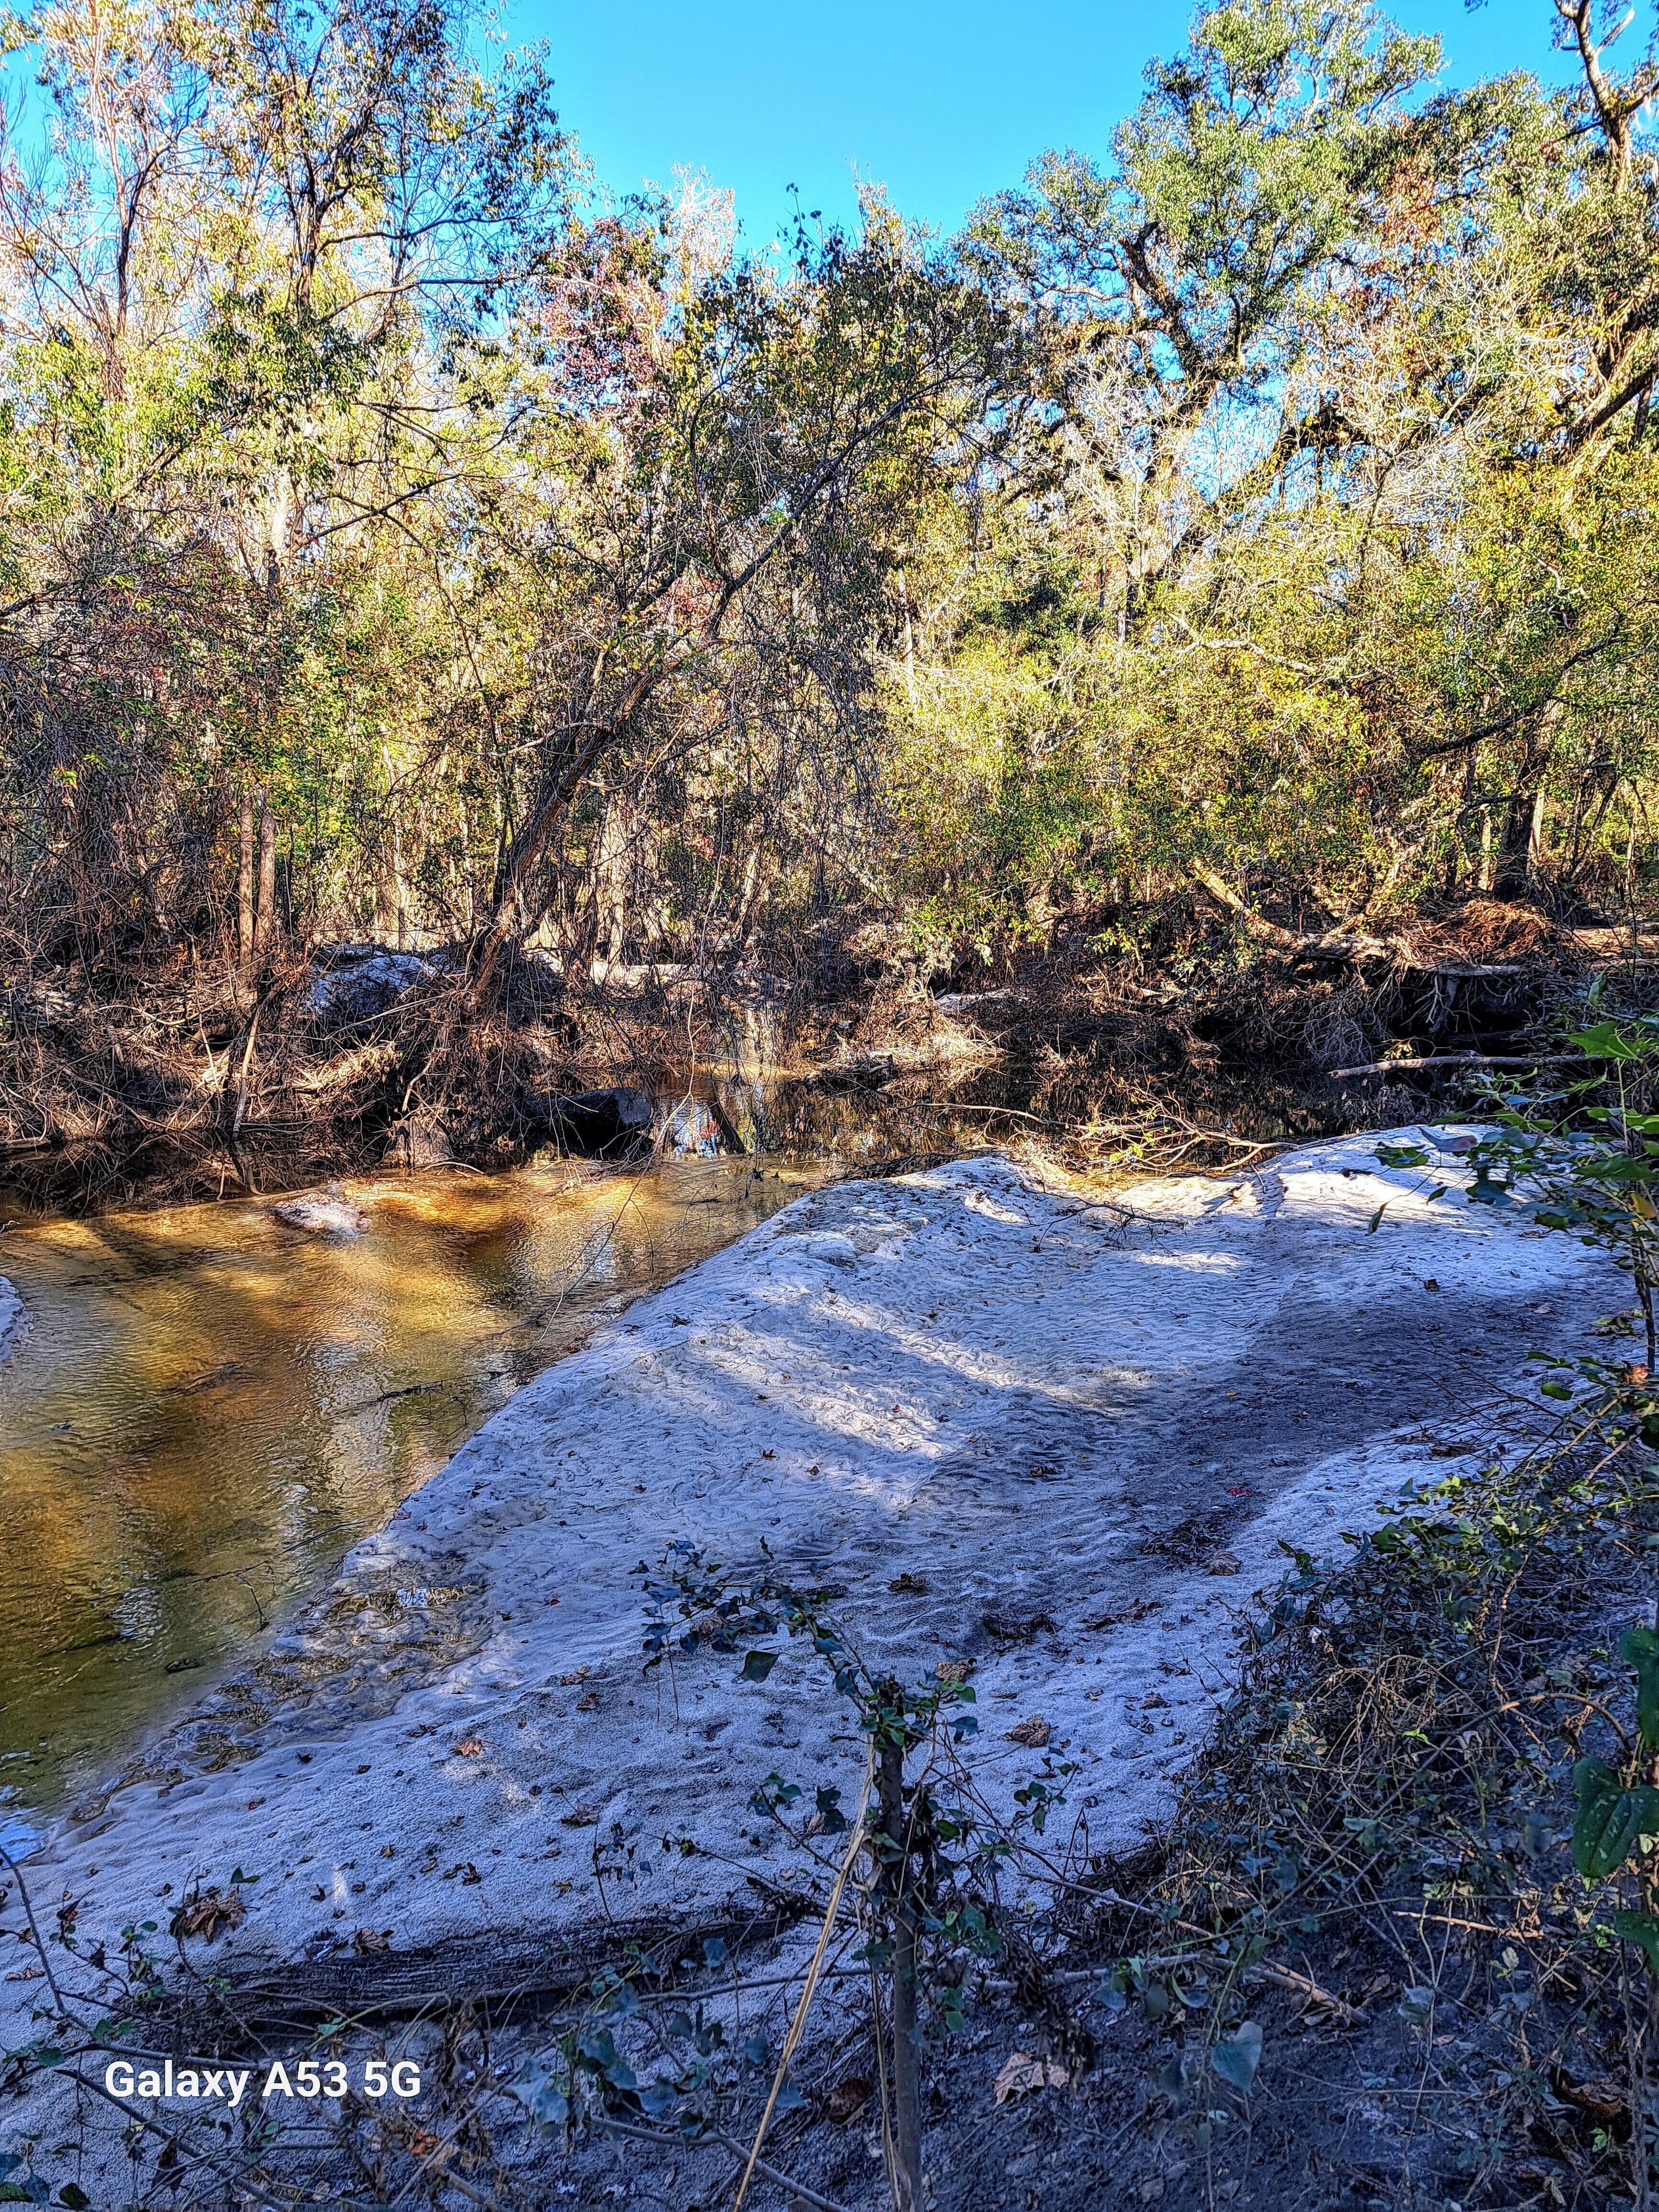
<point>1639,946</point>
<point>1455,1059</point>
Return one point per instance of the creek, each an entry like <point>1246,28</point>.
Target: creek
<point>207,1408</point>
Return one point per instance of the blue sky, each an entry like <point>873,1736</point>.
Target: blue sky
<point>943,103</point>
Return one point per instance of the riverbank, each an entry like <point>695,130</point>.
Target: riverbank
<point>1050,1442</point>
<point>1174,1031</point>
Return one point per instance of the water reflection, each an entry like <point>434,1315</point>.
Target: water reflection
<point>209,1408</point>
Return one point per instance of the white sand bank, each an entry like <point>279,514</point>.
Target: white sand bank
<point>11,1317</point>
<point>1042,1414</point>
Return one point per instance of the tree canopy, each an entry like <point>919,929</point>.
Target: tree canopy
<point>1269,493</point>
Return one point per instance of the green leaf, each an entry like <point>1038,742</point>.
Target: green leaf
<point>1375,1223</point>
<point>1639,1650</point>
<point>550,2105</point>
<point>1606,1042</point>
<point>77,2200</point>
<point>1615,1167</point>
<point>1610,1819</point>
<point>758,1665</point>
<point>1236,2060</point>
<point>1402,1156</point>
<point>1639,1929</point>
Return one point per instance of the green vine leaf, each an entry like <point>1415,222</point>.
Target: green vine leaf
<point>1610,1819</point>
<point>1642,1930</point>
<point>1639,1650</point>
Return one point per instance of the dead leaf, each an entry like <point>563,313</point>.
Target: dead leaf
<point>1034,1732</point>
<point>1603,2099</point>
<point>423,2144</point>
<point>584,1816</point>
<point>848,2098</point>
<point>1222,1563</point>
<point>951,1670</point>
<point>590,1704</point>
<point>1137,1611</point>
<point>569,1681</point>
<point>371,1939</point>
<point>915,1584</point>
<point>470,1876</point>
<point>1022,2074</point>
<point>205,1914</point>
<point>1010,1628</point>
<point>469,1747</point>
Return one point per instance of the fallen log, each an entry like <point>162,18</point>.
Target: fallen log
<point>1307,945</point>
<point>1348,946</point>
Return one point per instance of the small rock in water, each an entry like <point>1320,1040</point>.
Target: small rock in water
<point>332,1214</point>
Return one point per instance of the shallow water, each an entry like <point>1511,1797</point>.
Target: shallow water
<point>209,1408</point>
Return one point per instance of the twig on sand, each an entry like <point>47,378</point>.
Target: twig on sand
<point>779,2179</point>
<point>1286,1977</point>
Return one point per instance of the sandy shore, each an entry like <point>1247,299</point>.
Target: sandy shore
<point>1039,1419</point>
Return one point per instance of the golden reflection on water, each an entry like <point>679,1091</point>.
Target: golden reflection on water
<point>209,1408</point>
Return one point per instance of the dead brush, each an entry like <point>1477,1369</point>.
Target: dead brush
<point>1384,1832</point>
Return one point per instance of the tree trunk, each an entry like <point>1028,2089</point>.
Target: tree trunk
<point>752,899</point>
<point>1520,846</point>
<point>245,890</point>
<point>907,2030</point>
<point>267,910</point>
